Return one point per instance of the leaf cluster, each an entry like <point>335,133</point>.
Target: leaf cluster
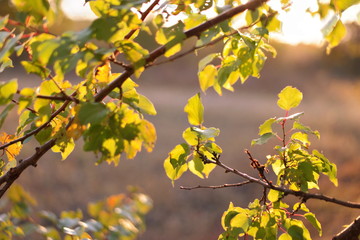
<point>116,217</point>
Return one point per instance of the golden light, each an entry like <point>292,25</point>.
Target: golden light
<point>299,26</point>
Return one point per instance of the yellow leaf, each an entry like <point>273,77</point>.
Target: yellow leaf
<point>289,97</point>
<point>13,150</point>
<point>103,73</point>
<point>195,110</point>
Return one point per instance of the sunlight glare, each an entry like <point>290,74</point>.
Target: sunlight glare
<point>299,26</point>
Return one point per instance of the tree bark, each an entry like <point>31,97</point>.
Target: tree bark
<point>352,232</point>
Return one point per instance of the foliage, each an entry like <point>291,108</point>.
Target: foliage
<point>108,113</point>
<point>116,217</point>
<point>293,165</point>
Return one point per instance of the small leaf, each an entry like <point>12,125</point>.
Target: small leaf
<point>175,165</point>
<point>206,133</point>
<point>4,113</point>
<point>335,36</point>
<point>262,139</point>
<point>206,60</point>
<point>191,137</point>
<point>274,195</point>
<point>289,98</point>
<point>266,127</point>
<point>145,105</point>
<point>240,221</point>
<point>195,110</point>
<point>313,220</point>
<point>7,90</point>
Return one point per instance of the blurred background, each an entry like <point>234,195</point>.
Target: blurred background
<point>331,88</point>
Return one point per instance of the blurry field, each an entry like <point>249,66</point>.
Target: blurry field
<point>331,105</point>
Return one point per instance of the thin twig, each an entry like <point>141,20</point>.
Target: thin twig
<point>217,186</point>
<point>304,196</point>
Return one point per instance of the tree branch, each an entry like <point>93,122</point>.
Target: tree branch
<point>226,185</point>
<point>35,131</point>
<point>196,31</point>
<point>15,172</point>
<point>352,232</point>
<point>304,196</point>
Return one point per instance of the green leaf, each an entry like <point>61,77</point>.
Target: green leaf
<point>241,221</point>
<point>262,139</point>
<point>36,68</point>
<point>7,90</point>
<point>7,49</point>
<point>146,105</point>
<point>302,137</point>
<point>206,60</point>
<point>195,110</point>
<point>3,21</point>
<point>171,37</point>
<point>266,127</point>
<point>329,168</point>
<point>64,147</point>
<point>44,135</point>
<point>7,62</point>
<point>296,229</point>
<point>4,113</point>
<point>313,220</point>
<point>175,165</point>
<point>289,98</point>
<point>274,195</point>
<point>93,113</point>
<point>305,129</point>
<point>196,166</point>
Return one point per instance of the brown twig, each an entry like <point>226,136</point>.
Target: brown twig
<point>217,186</point>
<point>303,195</point>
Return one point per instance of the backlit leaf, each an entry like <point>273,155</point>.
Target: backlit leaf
<point>336,35</point>
<point>313,220</point>
<point>7,90</point>
<point>195,110</point>
<point>342,5</point>
<point>175,165</point>
<point>266,127</point>
<point>289,98</point>
<point>207,77</point>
